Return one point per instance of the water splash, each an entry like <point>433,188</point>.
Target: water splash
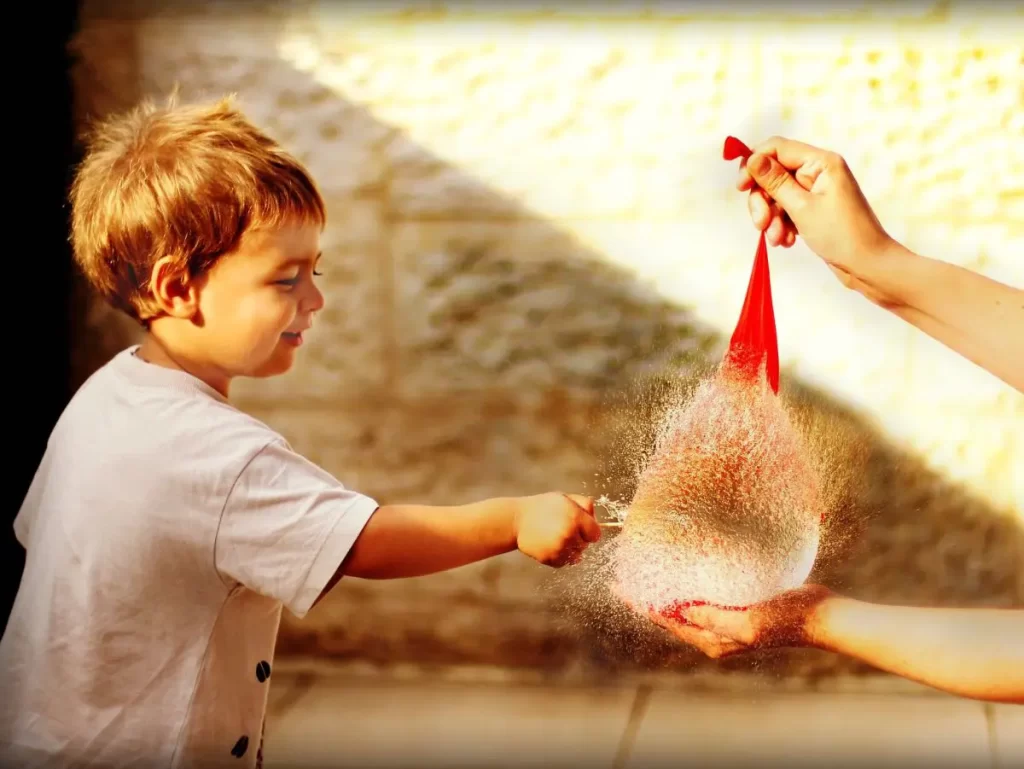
<point>658,562</point>
<point>727,509</point>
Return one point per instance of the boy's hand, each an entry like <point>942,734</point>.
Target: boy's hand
<point>786,620</point>
<point>555,528</point>
<point>797,189</point>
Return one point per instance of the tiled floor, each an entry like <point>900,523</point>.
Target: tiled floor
<point>811,731</point>
<point>337,722</point>
<point>1006,724</point>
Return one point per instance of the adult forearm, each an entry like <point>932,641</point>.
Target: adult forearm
<point>976,653</point>
<point>415,540</point>
<point>980,318</point>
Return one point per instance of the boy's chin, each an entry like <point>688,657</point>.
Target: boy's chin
<point>280,363</point>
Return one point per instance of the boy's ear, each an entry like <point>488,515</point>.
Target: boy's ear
<point>174,293</point>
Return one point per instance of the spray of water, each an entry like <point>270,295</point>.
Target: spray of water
<point>726,510</point>
<point>728,494</point>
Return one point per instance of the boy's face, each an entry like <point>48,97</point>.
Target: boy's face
<point>256,302</point>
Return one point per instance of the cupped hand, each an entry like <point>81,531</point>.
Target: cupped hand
<point>786,620</point>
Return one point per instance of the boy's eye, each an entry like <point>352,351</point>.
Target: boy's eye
<point>287,281</point>
<point>318,274</point>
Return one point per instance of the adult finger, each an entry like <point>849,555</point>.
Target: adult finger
<point>790,153</point>
<point>731,623</point>
<point>744,181</point>
<point>776,230</point>
<point>707,642</point>
<point>731,648</point>
<point>760,209</point>
<point>778,182</point>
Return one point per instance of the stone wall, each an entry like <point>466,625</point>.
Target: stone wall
<point>530,220</point>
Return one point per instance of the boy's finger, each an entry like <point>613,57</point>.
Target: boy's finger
<point>584,503</point>
<point>588,527</point>
<point>574,549</point>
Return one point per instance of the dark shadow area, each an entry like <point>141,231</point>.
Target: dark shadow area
<point>39,340</point>
<point>106,33</point>
<point>897,531</point>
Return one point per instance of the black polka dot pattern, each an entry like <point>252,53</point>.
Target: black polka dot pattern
<point>259,749</point>
<point>240,747</point>
<point>262,671</point>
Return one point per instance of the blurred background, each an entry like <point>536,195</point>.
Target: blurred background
<point>531,231</point>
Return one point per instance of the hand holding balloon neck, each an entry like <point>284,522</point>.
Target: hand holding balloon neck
<point>734,148</point>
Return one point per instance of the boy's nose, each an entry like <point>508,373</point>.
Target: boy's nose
<point>314,300</point>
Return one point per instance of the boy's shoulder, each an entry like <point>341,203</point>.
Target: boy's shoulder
<point>135,431</point>
<point>137,407</point>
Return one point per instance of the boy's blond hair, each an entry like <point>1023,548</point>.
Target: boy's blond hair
<point>180,181</point>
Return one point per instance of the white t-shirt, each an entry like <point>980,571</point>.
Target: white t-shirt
<point>164,530</point>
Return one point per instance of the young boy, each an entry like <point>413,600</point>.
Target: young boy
<point>164,529</point>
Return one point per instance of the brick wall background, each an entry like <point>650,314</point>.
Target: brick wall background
<point>530,218</point>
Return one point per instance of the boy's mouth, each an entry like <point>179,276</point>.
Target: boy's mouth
<point>293,338</point>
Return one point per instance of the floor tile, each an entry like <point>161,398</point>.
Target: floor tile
<point>1008,736</point>
<point>448,725</point>
<point>810,731</point>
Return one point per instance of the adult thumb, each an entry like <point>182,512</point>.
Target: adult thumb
<point>777,182</point>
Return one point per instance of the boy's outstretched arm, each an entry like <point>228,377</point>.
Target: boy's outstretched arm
<point>974,653</point>
<point>415,540</point>
<point>289,530</point>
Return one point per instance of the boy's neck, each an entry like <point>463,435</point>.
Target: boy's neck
<point>161,352</point>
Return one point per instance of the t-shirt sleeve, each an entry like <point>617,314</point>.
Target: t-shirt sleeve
<point>286,527</point>
<point>23,521</point>
<point>21,530</point>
